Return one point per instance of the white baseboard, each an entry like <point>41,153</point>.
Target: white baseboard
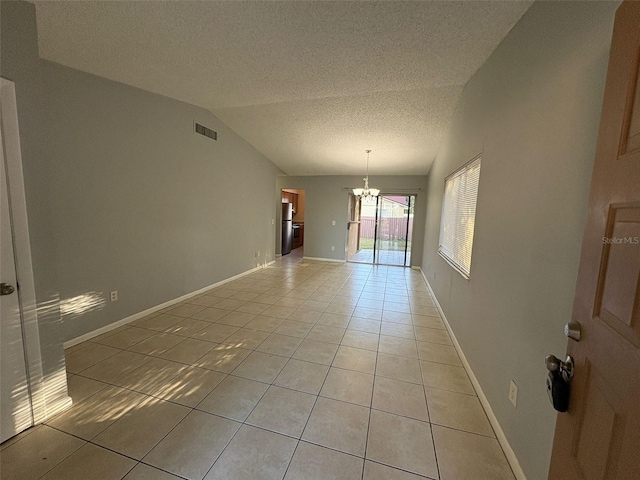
<point>318,259</point>
<point>500,436</point>
<point>149,311</point>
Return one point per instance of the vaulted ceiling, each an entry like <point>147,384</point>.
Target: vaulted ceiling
<point>310,84</point>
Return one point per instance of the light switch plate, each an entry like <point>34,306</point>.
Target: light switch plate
<point>513,393</point>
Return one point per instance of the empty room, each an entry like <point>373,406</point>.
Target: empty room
<point>320,240</point>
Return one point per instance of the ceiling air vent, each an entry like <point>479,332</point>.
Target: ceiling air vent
<point>207,132</point>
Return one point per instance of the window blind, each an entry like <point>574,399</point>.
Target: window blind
<point>459,215</point>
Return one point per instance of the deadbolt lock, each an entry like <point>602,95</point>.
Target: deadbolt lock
<point>573,331</point>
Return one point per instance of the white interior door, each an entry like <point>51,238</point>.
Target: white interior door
<point>15,402</point>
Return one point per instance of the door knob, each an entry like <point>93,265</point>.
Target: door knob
<point>552,362</point>
<point>564,368</point>
<point>558,381</point>
<point>6,289</point>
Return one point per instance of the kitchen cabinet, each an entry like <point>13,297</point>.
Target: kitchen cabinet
<point>298,235</point>
<point>290,197</point>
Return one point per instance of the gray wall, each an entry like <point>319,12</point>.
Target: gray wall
<point>141,203</point>
<point>327,199</point>
<point>21,64</point>
<point>532,111</point>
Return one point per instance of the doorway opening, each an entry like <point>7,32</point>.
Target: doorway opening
<point>381,229</point>
<point>293,207</point>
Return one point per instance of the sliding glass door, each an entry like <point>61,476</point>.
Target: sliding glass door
<point>384,230</point>
<point>395,223</point>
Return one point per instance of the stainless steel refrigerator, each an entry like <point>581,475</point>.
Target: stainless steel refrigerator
<point>287,228</point>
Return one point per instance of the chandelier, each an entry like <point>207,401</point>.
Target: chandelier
<point>366,191</point>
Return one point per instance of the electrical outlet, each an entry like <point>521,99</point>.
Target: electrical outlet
<point>513,393</point>
<point>258,254</point>
<point>273,221</point>
<point>333,222</point>
<point>333,248</point>
<point>114,296</point>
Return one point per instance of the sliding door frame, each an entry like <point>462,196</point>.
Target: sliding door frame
<point>378,213</point>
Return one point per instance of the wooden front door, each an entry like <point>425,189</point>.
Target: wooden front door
<point>599,437</point>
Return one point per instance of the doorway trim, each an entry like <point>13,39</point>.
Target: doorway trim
<point>22,251</point>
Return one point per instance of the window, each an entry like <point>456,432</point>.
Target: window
<point>459,216</point>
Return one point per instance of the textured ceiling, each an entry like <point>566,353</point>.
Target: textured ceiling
<point>310,84</point>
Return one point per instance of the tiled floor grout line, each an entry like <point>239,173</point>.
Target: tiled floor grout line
<point>231,374</point>
<point>372,278</point>
<point>262,428</point>
<point>373,388</point>
<point>262,396</point>
<point>90,442</point>
<point>236,432</point>
<point>309,417</point>
<point>193,364</point>
<point>424,390</point>
<point>66,457</point>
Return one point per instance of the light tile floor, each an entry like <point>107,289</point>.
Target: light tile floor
<point>384,257</point>
<point>303,370</point>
